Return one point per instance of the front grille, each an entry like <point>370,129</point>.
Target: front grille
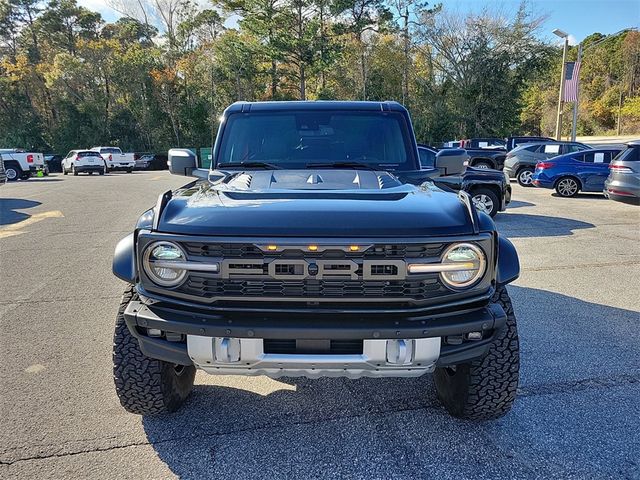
<point>208,287</point>
<point>335,275</point>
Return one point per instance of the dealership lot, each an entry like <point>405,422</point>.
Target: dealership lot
<point>577,302</point>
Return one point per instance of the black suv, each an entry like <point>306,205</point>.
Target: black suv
<point>315,246</point>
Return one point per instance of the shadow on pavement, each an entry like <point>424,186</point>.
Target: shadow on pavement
<point>519,204</point>
<point>592,196</point>
<point>519,225</point>
<point>575,391</point>
<point>8,207</point>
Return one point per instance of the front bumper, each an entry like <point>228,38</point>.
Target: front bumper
<point>235,345</point>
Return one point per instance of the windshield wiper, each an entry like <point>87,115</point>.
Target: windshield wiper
<point>354,165</point>
<point>266,166</point>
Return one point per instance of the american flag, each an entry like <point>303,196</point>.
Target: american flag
<point>570,93</point>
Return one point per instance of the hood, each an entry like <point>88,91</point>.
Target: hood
<point>321,203</point>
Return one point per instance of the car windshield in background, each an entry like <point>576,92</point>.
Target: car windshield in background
<point>88,154</point>
<point>297,139</point>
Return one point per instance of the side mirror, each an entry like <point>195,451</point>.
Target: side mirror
<point>182,162</point>
<point>450,161</point>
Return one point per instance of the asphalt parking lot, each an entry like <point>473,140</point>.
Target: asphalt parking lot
<point>576,416</point>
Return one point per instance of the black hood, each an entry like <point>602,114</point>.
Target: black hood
<point>307,203</point>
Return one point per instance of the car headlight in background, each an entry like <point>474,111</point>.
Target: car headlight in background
<point>162,262</point>
<point>471,263</point>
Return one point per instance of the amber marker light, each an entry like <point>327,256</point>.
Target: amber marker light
<point>313,248</point>
<point>354,248</point>
<point>272,248</point>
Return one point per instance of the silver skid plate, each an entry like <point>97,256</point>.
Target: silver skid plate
<point>380,358</point>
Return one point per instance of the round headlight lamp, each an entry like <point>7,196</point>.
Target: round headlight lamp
<point>470,261</point>
<point>157,262</point>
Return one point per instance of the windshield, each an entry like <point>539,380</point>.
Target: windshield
<point>299,139</point>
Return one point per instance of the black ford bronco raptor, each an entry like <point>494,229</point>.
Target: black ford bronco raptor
<point>315,246</point>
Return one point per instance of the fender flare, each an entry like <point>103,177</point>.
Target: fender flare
<point>508,263</point>
<point>124,259</point>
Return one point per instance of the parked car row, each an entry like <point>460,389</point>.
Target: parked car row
<point>19,164</point>
<point>612,170</point>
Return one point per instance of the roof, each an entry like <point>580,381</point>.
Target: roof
<point>314,105</point>
<point>634,143</point>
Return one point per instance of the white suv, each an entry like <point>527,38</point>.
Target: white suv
<point>81,161</point>
<point>115,159</point>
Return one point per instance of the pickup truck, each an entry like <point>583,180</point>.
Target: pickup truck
<point>315,246</point>
<point>115,159</point>
<point>490,190</point>
<point>19,164</point>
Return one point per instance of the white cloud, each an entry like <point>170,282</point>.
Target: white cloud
<point>100,6</point>
<point>572,40</point>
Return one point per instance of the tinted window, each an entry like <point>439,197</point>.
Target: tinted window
<point>629,155</point>
<point>88,154</point>
<point>296,139</point>
<point>427,158</point>
<point>110,150</point>
<point>596,157</point>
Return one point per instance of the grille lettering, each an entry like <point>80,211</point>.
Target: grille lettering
<point>298,269</point>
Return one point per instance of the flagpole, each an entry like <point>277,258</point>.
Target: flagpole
<point>575,104</point>
<point>562,75</point>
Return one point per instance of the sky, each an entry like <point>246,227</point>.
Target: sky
<point>579,18</point>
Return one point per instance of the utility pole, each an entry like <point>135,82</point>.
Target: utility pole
<point>561,34</point>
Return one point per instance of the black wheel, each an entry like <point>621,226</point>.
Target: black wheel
<point>25,176</point>
<point>567,187</point>
<point>130,170</point>
<point>482,164</point>
<point>486,388</point>
<point>144,385</point>
<point>485,200</point>
<point>524,176</point>
<point>64,171</point>
<point>13,172</point>
<point>73,170</point>
<point>90,173</point>
<point>103,171</point>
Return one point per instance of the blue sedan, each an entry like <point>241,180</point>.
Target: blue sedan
<point>569,174</point>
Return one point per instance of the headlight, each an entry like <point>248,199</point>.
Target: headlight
<point>471,261</point>
<point>161,262</point>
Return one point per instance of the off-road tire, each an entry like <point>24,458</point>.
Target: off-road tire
<point>484,389</point>
<point>144,385</point>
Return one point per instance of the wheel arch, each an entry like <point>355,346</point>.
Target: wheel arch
<point>124,259</point>
<point>508,268</point>
<point>475,160</point>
